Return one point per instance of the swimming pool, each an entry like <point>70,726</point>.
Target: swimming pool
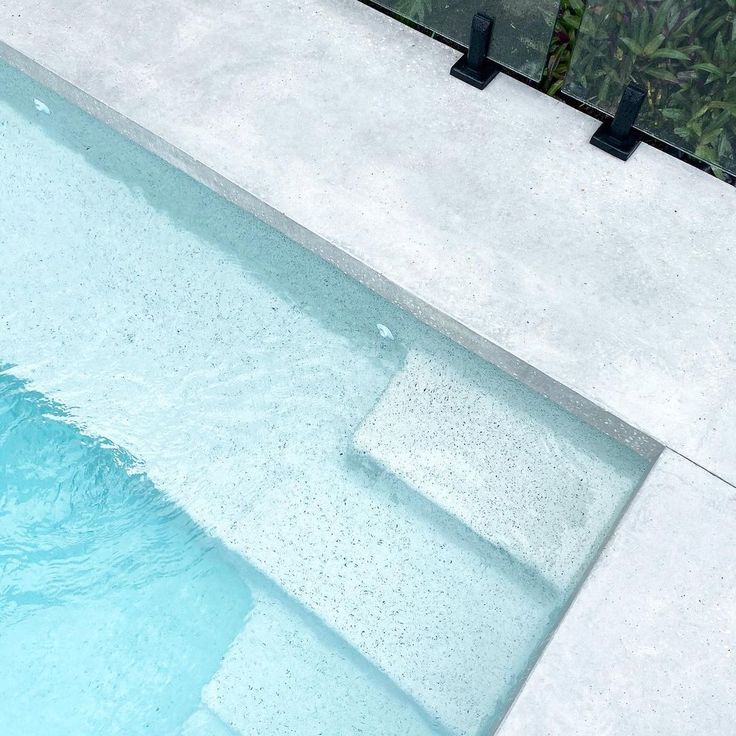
<point>332,519</point>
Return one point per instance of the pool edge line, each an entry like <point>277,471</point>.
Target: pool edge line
<point>572,401</point>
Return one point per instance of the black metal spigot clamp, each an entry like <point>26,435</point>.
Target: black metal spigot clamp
<point>618,136</point>
<point>474,68</point>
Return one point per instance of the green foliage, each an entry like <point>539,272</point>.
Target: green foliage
<point>563,42</point>
<point>413,10</point>
<point>681,52</point>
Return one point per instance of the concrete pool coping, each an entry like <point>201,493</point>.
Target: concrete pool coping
<point>616,305</point>
<point>646,647</point>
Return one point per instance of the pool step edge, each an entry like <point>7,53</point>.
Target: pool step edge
<point>571,400</point>
<point>407,436</point>
<point>283,652</point>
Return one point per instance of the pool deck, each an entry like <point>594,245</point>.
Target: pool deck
<point>648,646</point>
<point>607,286</point>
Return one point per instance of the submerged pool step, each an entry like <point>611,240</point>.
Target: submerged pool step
<point>286,675</point>
<point>448,627</point>
<point>203,722</point>
<point>515,469</point>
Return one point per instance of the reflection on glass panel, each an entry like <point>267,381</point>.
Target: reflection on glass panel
<point>681,52</point>
<point>521,36</point>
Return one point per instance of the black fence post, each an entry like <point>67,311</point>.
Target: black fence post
<point>618,136</point>
<point>474,67</point>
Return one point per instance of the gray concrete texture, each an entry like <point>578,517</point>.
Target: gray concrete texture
<point>648,647</point>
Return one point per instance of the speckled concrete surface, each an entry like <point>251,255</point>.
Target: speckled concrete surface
<point>279,678</point>
<point>649,645</point>
<point>349,124</point>
<point>517,474</point>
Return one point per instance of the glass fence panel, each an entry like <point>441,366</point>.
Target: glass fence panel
<point>522,31</point>
<point>681,52</point>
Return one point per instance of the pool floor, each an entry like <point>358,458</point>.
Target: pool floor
<point>408,520</point>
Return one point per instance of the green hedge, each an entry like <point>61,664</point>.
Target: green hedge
<point>682,53</point>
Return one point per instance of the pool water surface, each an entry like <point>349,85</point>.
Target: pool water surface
<point>242,493</point>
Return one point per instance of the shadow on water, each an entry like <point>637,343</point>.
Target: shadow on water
<point>300,277</point>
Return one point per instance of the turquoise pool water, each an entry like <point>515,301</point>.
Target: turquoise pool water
<point>399,525</point>
<point>115,609</point>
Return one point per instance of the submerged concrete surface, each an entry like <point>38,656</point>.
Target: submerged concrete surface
<point>488,213</point>
<point>279,679</point>
<point>455,436</point>
<point>236,366</point>
<point>203,722</point>
<point>649,645</point>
